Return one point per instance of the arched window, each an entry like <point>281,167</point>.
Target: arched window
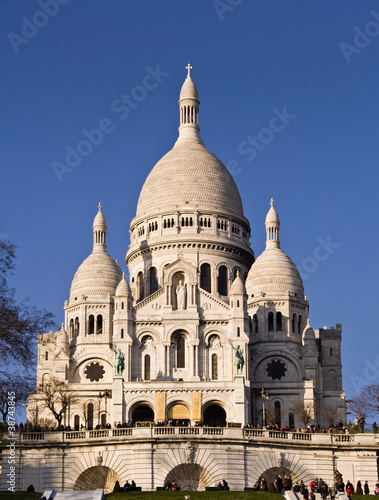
<point>140,288</point>
<point>91,324</point>
<point>180,351</point>
<point>72,331</point>
<point>99,324</point>
<point>205,277</point>
<point>214,367</point>
<point>279,322</point>
<point>277,413</point>
<point>76,326</point>
<point>76,422</point>
<point>222,281</point>
<point>90,416</point>
<point>103,420</point>
<point>270,321</point>
<point>300,325</point>
<point>291,420</point>
<point>147,367</point>
<point>122,333</point>
<point>255,323</point>
<point>153,280</point>
<point>294,323</point>
<point>47,356</point>
<point>238,331</point>
<point>122,305</point>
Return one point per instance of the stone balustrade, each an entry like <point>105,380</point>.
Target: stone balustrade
<point>200,432</point>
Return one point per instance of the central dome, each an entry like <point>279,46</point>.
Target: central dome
<point>189,176</point>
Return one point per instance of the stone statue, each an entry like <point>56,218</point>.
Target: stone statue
<point>180,295</point>
<point>119,363</point>
<point>238,358</point>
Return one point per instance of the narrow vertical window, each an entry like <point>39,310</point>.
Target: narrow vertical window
<point>147,367</point>
<point>279,322</point>
<point>214,367</point>
<point>270,321</point>
<point>223,281</point>
<point>99,324</point>
<point>91,324</point>
<point>180,351</point>
<point>205,277</point>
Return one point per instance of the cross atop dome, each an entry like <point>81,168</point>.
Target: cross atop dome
<point>100,206</point>
<point>189,67</point>
<point>272,202</point>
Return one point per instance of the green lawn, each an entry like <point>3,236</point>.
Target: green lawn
<point>18,495</point>
<point>195,495</point>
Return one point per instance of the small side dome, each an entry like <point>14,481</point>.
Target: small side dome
<point>274,272</point>
<point>238,286</point>
<point>99,274</point>
<point>308,332</point>
<point>62,337</point>
<point>123,289</point>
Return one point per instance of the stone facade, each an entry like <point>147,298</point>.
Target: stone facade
<point>202,327</point>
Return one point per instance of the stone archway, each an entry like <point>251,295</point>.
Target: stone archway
<point>96,477</point>
<point>214,416</point>
<point>142,413</point>
<point>190,477</point>
<point>271,474</point>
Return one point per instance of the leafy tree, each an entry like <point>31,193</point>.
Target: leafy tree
<point>304,411</point>
<point>19,321</point>
<point>56,397</point>
<point>19,385</point>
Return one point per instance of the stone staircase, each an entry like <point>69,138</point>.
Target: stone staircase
<point>51,494</point>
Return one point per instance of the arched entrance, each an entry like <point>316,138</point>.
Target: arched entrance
<point>142,413</point>
<point>214,416</point>
<point>190,477</point>
<point>271,474</point>
<point>179,414</point>
<point>96,477</point>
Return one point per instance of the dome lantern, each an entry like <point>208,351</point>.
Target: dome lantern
<point>99,231</point>
<point>189,111</point>
<point>272,227</point>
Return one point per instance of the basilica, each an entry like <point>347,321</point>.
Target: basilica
<point>204,333</point>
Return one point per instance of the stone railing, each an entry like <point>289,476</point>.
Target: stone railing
<point>253,435</point>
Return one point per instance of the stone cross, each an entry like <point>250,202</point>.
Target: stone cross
<point>189,67</point>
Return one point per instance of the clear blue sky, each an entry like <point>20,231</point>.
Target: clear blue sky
<point>66,75</point>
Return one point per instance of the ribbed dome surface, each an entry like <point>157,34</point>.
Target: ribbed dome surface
<point>189,176</point>
<point>99,274</point>
<point>123,288</point>
<point>189,90</point>
<point>274,272</point>
<point>238,286</point>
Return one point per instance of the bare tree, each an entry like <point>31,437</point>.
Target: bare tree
<point>360,406</point>
<point>56,397</point>
<point>19,322</point>
<point>304,411</point>
<point>371,392</point>
<point>84,412</point>
<point>330,415</point>
<point>18,386</point>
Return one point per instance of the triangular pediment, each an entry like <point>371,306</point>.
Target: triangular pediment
<point>61,355</point>
<point>180,266</point>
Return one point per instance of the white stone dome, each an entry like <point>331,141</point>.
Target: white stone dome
<point>123,289</point>
<point>238,287</point>
<point>274,272</point>
<point>189,176</point>
<point>188,90</point>
<point>99,274</point>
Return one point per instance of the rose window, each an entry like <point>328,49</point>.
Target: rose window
<point>94,372</point>
<point>276,369</point>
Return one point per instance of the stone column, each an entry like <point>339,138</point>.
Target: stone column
<point>118,400</point>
